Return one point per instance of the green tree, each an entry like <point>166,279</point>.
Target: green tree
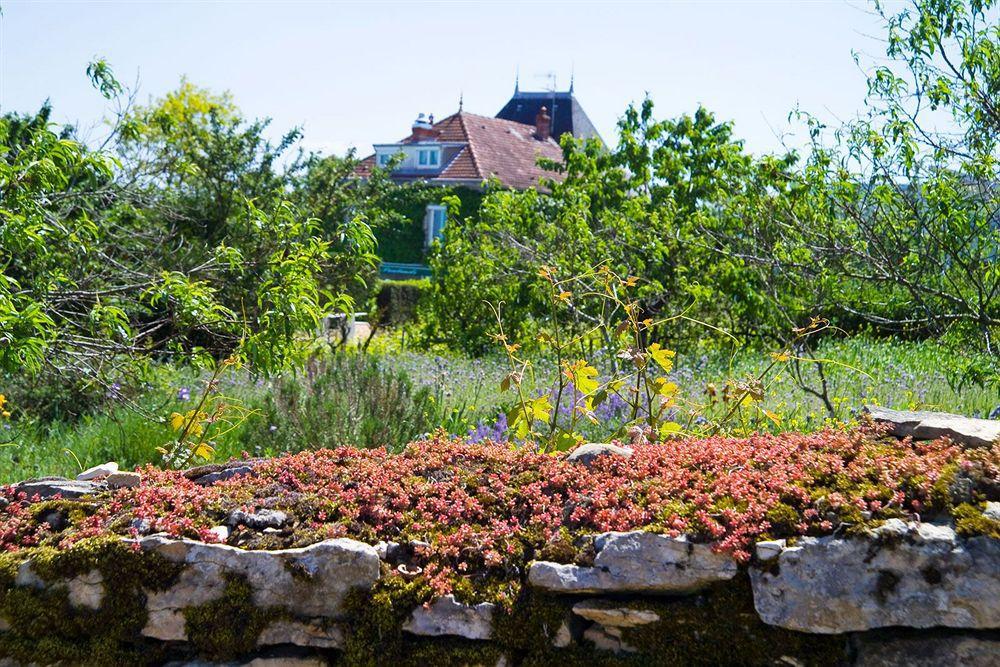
<point>111,261</point>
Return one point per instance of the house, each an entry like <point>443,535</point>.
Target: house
<point>464,150</point>
<point>567,114</point>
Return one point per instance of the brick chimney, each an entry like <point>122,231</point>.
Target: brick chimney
<point>423,129</point>
<point>543,124</point>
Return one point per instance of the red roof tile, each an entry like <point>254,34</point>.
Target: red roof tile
<point>494,147</point>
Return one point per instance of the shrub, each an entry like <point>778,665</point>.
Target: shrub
<point>344,399</point>
<point>397,300</point>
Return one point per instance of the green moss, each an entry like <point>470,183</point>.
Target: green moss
<point>784,520</point>
<point>376,620</point>
<point>228,626</point>
<point>46,628</point>
<point>74,511</point>
<point>970,521</point>
<point>718,626</point>
<point>941,491</point>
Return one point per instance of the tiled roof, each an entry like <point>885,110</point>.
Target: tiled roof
<point>567,114</point>
<point>493,147</point>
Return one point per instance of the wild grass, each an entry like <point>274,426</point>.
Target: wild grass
<point>394,396</point>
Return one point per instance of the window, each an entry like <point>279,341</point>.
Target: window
<point>383,159</point>
<point>428,157</point>
<point>434,223</point>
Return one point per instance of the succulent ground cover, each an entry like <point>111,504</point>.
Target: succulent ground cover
<point>470,517</point>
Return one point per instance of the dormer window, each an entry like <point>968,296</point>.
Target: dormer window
<point>429,157</point>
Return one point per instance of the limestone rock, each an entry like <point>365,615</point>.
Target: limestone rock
<point>388,551</point>
<point>606,641</point>
<point>309,582</point>
<point>123,480</point>
<point>86,590</point>
<point>260,520</point>
<point>283,657</point>
<point>447,616</point>
<point>917,575</point>
<point>48,487</point>
<point>588,453</point>
<point>222,532</point>
<point>221,474</point>
<point>300,633</point>
<point>614,615</point>
<point>563,636</point>
<point>992,511</point>
<point>167,625</point>
<point>26,576</point>
<point>98,472</point>
<point>921,425</point>
<point>768,549</point>
<point>637,561</point>
<point>962,650</point>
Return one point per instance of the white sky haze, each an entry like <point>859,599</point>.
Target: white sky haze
<point>353,74</point>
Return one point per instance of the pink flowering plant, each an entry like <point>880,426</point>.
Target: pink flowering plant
<point>479,513</point>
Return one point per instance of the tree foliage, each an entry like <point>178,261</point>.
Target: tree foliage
<point>175,241</point>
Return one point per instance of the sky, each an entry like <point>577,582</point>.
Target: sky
<point>351,74</point>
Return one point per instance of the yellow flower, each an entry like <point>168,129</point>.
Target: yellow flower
<point>3,401</point>
<point>176,421</point>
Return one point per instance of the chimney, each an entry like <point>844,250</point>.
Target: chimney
<point>543,124</point>
<point>423,128</point>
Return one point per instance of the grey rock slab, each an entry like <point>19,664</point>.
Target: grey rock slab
<point>637,561</point>
<point>98,472</point>
<point>448,617</point>
<point>86,590</point>
<point>260,520</point>
<point>123,480</point>
<point>604,640</point>
<point>221,475</point>
<point>301,633</point>
<point>768,549</point>
<point>610,615</point>
<point>49,488</point>
<point>310,582</point>
<point>915,575</point>
<point>222,532</point>
<point>931,651</point>
<point>563,636</point>
<point>992,511</point>
<point>922,425</point>
<point>590,452</point>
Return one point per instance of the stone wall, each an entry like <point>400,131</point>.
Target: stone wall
<point>901,594</point>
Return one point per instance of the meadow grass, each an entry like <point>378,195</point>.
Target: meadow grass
<point>463,396</point>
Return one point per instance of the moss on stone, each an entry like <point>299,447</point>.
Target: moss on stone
<point>45,628</point>
<point>228,627</point>
<point>970,521</point>
<point>377,616</point>
<point>718,626</point>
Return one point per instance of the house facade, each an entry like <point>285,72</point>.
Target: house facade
<point>464,150</point>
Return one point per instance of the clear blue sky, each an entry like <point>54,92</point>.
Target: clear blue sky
<point>356,73</point>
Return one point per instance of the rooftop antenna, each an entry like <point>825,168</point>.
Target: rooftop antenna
<point>461,99</point>
<point>572,76</point>
<point>517,79</point>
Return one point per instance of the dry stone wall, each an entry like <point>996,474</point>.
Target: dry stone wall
<point>901,594</point>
